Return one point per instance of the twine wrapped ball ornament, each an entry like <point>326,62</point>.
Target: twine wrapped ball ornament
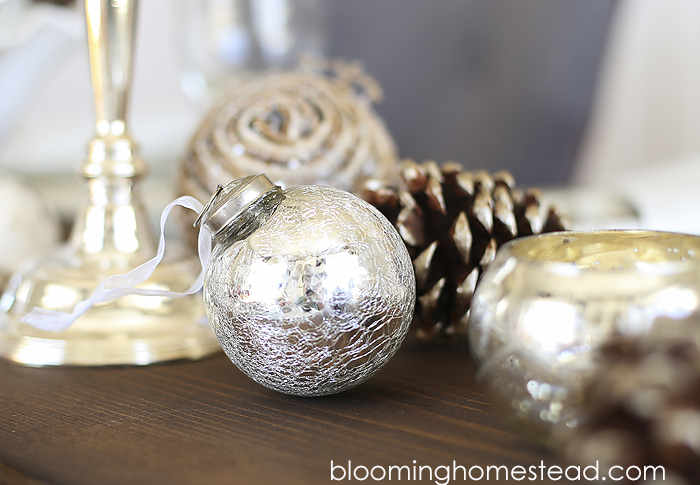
<point>313,125</point>
<point>309,290</point>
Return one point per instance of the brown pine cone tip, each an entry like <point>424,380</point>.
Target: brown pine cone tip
<point>452,222</point>
<point>643,409</point>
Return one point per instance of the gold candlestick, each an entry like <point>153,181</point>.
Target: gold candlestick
<point>111,236</point>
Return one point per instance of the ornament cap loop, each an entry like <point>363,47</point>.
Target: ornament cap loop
<point>227,203</point>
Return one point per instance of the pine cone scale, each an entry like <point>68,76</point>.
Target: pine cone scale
<point>462,236</point>
<point>423,263</point>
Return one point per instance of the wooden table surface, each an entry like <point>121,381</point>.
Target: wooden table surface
<point>207,423</point>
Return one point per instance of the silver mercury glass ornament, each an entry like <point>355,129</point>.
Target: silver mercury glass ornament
<point>310,290</point>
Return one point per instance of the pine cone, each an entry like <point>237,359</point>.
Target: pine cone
<point>452,222</point>
<point>643,410</point>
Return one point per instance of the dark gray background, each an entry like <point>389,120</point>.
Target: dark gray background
<point>489,83</point>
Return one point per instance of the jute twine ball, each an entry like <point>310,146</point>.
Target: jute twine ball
<point>313,125</point>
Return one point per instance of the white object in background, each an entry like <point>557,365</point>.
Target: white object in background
<point>221,38</point>
<point>666,195</point>
<point>28,229</point>
<point>587,207</point>
<point>12,19</point>
<point>657,197</point>
<point>647,108</point>
<point>30,47</point>
<point>50,131</point>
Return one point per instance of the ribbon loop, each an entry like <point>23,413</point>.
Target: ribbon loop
<point>125,284</point>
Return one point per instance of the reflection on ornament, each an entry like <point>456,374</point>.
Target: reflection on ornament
<point>309,290</point>
<point>314,125</point>
<point>642,409</point>
<point>548,304</point>
<point>29,230</point>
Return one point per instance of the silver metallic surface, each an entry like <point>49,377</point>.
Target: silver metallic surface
<point>313,294</point>
<point>111,235</point>
<point>547,305</point>
<point>229,202</point>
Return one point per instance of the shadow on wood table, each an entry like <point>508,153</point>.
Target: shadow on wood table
<point>207,423</point>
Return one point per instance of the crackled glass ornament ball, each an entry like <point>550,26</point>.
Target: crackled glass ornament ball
<point>310,290</point>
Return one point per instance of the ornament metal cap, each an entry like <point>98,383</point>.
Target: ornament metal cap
<point>227,203</point>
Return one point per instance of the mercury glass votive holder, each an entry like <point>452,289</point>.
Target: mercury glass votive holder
<point>549,304</point>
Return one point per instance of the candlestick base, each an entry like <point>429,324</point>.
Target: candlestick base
<point>132,330</point>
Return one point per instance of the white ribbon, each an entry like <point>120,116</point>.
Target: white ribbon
<point>121,285</point>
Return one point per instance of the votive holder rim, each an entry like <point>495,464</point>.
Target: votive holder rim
<point>568,268</point>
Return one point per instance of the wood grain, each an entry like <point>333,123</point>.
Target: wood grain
<point>206,422</point>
